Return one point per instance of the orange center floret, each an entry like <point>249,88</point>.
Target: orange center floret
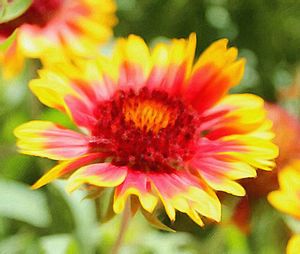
<point>148,115</point>
<point>146,130</point>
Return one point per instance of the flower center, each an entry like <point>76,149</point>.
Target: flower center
<point>39,13</point>
<point>148,115</point>
<point>147,130</point>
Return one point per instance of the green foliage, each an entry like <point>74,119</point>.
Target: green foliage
<point>59,244</point>
<point>10,10</point>
<point>20,203</point>
<point>86,230</point>
<point>20,243</point>
<point>266,31</point>
<point>269,234</point>
<point>5,45</point>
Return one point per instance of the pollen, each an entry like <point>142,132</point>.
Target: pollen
<point>149,115</point>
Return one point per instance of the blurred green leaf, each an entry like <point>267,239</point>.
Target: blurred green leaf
<point>59,244</point>
<point>11,163</point>
<point>17,244</point>
<point>167,243</point>
<point>5,45</point>
<point>84,215</point>
<point>57,117</point>
<point>236,241</point>
<point>20,203</point>
<point>8,126</point>
<point>293,223</point>
<point>268,233</point>
<point>13,9</point>
<point>3,227</point>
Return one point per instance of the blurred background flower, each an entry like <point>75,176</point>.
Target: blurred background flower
<point>287,200</point>
<point>77,26</point>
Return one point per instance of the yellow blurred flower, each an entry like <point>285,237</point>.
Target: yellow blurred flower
<point>76,26</point>
<point>293,246</point>
<point>287,198</point>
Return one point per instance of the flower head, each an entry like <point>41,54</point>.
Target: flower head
<point>156,126</point>
<point>76,26</point>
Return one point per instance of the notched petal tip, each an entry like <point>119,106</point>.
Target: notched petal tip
<point>36,186</point>
<point>25,128</point>
<point>147,200</point>
<point>192,38</point>
<point>221,43</point>
<point>98,174</point>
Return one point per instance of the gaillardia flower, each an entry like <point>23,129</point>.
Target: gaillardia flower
<point>74,25</point>
<point>156,127</point>
<point>287,198</point>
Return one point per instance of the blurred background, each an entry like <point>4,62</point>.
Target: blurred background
<point>267,34</point>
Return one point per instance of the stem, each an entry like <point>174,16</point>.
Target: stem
<point>124,225</point>
<point>31,72</point>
